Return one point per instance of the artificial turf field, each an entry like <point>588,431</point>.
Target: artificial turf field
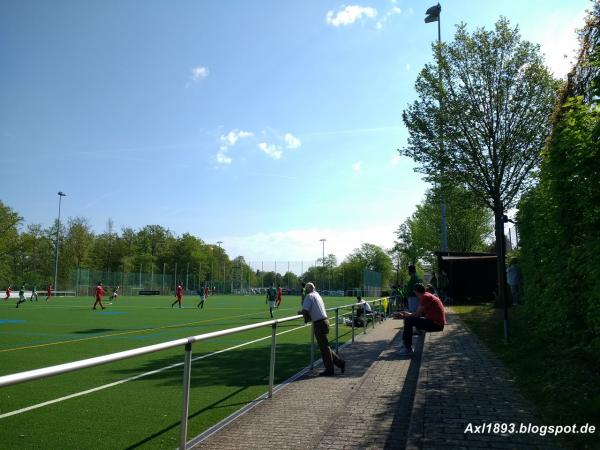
<point>145,411</point>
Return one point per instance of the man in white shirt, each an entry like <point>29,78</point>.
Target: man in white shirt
<point>313,310</point>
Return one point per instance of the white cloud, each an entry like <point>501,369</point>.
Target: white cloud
<point>222,158</point>
<point>199,73</point>
<point>291,141</point>
<point>274,151</point>
<point>227,141</point>
<point>390,12</point>
<point>303,244</point>
<point>349,14</point>
<point>558,41</point>
<point>395,160</point>
<point>357,167</point>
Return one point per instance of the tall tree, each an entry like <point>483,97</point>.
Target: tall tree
<point>481,118</point>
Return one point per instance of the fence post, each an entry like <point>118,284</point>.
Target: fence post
<point>364,321</point>
<point>185,403</point>
<point>337,329</point>
<point>272,364</point>
<point>312,346</point>
<point>352,323</point>
<point>373,314</point>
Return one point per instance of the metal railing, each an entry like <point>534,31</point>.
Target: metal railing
<point>46,372</point>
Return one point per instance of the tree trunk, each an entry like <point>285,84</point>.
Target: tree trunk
<point>502,298</point>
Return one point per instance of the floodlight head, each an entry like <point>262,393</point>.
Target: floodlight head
<point>433,13</point>
<point>62,194</point>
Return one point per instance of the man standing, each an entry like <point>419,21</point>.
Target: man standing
<point>313,310</point>
<point>99,294</point>
<point>279,295</point>
<point>271,294</point>
<point>200,292</point>
<point>48,292</point>
<point>409,290</point>
<point>434,319</point>
<point>178,294</point>
<point>513,278</point>
<point>34,293</point>
<point>8,292</point>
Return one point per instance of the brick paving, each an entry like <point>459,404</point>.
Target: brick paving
<point>384,401</point>
<point>460,382</point>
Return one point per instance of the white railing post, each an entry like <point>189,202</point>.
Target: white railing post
<point>185,403</point>
<point>272,362</point>
<point>337,329</point>
<point>352,323</point>
<point>312,345</point>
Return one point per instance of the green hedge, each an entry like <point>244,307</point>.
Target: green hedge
<point>559,225</point>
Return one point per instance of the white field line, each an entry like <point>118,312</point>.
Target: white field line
<point>145,374</point>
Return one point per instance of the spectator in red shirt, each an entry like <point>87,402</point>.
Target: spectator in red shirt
<point>430,316</point>
<point>99,294</point>
<point>178,294</point>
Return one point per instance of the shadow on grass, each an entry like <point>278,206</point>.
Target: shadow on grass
<point>243,369</point>
<point>94,331</point>
<point>191,416</point>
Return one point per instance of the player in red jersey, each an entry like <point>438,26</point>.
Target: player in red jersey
<point>49,292</point>
<point>279,295</point>
<point>8,291</point>
<point>178,294</point>
<point>206,292</point>
<point>99,294</point>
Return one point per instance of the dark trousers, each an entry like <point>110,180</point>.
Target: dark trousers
<point>330,358</point>
<point>421,324</point>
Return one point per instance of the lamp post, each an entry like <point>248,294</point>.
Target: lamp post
<point>219,244</point>
<point>434,15</point>
<point>323,260</point>
<point>60,196</point>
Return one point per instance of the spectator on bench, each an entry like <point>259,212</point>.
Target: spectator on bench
<point>430,316</point>
<point>363,309</point>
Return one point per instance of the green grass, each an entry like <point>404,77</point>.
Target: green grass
<point>562,384</point>
<point>142,412</point>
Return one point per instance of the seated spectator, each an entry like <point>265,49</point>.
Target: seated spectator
<point>430,316</point>
<point>362,309</point>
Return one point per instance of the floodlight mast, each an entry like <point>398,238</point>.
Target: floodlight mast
<point>434,14</point>
<point>60,196</point>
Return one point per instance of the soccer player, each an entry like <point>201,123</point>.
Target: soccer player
<point>200,292</point>
<point>115,294</point>
<point>48,292</point>
<point>8,291</point>
<point>206,292</point>
<point>279,295</point>
<point>99,294</point>
<point>271,294</point>
<point>21,295</point>
<point>34,294</point>
<point>178,294</point>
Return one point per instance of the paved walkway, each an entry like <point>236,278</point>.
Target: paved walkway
<point>384,401</point>
<point>462,382</point>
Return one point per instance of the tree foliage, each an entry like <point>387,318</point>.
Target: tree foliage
<point>469,225</point>
<point>481,117</point>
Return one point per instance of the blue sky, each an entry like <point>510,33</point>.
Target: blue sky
<point>264,124</point>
